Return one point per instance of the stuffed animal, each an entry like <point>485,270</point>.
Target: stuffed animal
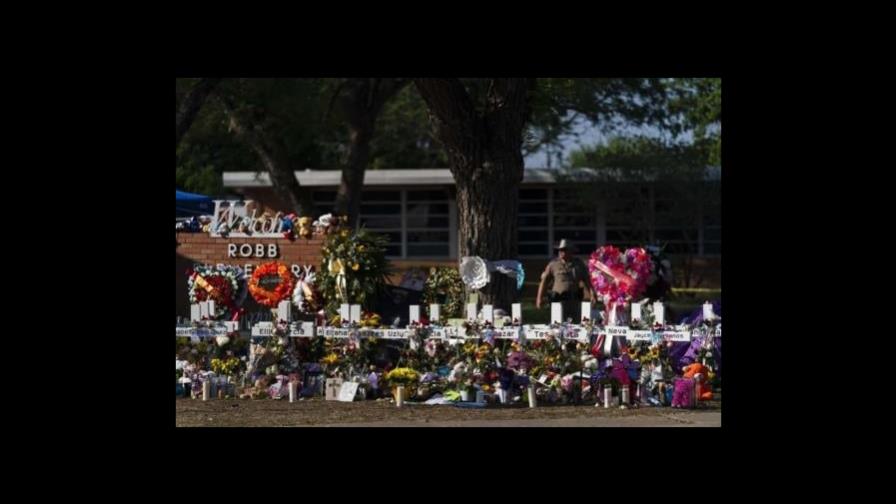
<point>323,224</point>
<point>699,373</point>
<point>245,225</point>
<point>287,224</point>
<point>206,223</point>
<point>305,230</point>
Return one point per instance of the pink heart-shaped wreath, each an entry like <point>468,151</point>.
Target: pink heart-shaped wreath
<point>619,277</point>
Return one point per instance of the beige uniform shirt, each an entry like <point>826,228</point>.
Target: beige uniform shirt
<point>566,274</point>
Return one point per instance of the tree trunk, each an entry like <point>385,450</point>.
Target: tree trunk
<point>286,186</point>
<point>190,105</point>
<point>348,197</point>
<point>361,103</point>
<point>485,150</point>
<point>488,203</point>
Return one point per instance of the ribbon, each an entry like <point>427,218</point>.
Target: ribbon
<point>336,268</point>
<point>511,268</point>
<point>618,276</point>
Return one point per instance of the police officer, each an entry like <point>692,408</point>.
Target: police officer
<point>570,281</point>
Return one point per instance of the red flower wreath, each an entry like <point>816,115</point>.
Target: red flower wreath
<point>259,284</point>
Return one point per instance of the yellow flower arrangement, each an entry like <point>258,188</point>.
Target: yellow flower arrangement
<point>402,376</point>
<point>226,367</point>
<point>370,320</point>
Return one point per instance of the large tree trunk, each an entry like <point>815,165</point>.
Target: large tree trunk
<point>487,203</point>
<point>190,105</point>
<point>361,101</point>
<point>487,164</point>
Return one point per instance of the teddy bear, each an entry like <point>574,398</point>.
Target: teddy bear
<point>700,374</point>
<point>305,230</point>
<point>322,225</point>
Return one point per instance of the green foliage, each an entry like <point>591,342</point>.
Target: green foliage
<point>361,258</point>
<point>403,137</point>
<point>445,287</point>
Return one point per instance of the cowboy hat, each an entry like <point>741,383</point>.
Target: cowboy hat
<point>565,244</point>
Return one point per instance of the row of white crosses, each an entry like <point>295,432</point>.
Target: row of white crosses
<point>556,312</point>
<point>352,313</point>
<point>201,310</point>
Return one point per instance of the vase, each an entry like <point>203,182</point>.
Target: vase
<point>292,391</point>
<point>399,395</point>
<point>465,395</point>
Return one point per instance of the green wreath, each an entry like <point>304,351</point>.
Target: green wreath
<point>353,269</point>
<point>444,287</point>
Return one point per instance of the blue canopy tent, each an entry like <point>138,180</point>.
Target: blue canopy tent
<point>189,204</point>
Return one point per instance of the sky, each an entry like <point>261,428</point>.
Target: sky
<point>585,134</point>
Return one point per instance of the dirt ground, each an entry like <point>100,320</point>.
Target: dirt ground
<point>319,412</point>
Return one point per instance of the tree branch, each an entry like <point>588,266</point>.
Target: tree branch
<point>190,105</point>
<point>273,158</point>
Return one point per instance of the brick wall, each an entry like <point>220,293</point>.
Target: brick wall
<point>201,248</point>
